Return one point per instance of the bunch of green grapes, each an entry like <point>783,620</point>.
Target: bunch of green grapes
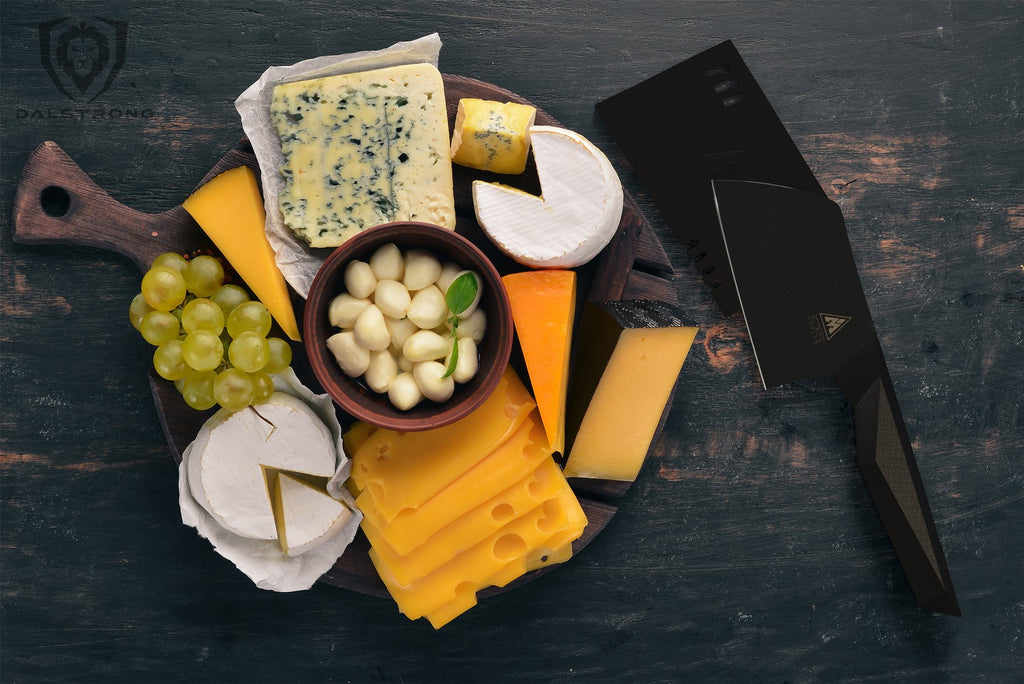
<point>210,338</point>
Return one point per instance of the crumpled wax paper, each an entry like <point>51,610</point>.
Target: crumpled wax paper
<point>296,259</point>
<point>262,560</point>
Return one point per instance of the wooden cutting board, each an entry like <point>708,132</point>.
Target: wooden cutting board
<point>56,202</point>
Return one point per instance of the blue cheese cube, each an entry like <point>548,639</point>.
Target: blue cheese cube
<point>364,149</point>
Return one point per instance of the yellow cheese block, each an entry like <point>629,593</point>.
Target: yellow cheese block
<point>471,527</point>
<point>511,461</point>
<point>492,136</point>
<point>229,209</point>
<point>626,407</point>
<point>498,559</point>
<point>401,470</point>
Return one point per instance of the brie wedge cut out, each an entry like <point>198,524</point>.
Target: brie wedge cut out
<point>306,515</point>
<point>234,449</point>
<point>576,215</point>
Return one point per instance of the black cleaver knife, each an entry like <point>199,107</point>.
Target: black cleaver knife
<point>733,186</point>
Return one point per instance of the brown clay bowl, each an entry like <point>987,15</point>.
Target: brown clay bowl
<point>351,394</point>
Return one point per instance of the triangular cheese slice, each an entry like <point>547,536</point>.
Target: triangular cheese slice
<point>306,516</point>
<point>229,209</point>
<point>543,306</point>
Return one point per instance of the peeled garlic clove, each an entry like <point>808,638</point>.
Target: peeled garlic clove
<point>352,357</point>
<point>421,269</point>
<point>429,378</point>
<point>370,330</point>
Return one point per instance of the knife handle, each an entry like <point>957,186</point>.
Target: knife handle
<point>886,462</point>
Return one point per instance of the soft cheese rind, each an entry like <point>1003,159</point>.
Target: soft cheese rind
<point>363,149</point>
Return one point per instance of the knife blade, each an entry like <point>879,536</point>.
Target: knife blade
<point>807,316</point>
<point>690,132</point>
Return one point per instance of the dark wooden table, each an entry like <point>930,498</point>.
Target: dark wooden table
<point>748,549</point>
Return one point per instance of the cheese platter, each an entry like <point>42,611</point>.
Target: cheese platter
<point>56,202</point>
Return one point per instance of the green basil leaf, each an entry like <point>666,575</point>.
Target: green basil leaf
<point>454,361</point>
<point>461,293</point>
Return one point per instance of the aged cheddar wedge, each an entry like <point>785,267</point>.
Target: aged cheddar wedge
<point>234,449</point>
<point>492,136</point>
<point>623,378</point>
<point>401,470</point>
<point>469,528</point>
<point>229,209</point>
<point>576,215</point>
<point>363,149</point>
<point>543,307</point>
<point>511,461</point>
<point>306,516</point>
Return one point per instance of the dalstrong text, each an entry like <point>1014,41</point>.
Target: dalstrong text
<point>93,113</point>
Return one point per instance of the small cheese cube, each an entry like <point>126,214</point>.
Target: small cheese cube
<point>492,136</point>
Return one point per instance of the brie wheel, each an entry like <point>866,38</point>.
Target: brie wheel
<point>234,448</point>
<point>576,215</point>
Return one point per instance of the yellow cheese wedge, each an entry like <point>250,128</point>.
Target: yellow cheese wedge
<point>543,307</point>
<point>492,136</point>
<point>622,413</point>
<point>401,470</point>
<point>229,209</point>
<point>467,530</point>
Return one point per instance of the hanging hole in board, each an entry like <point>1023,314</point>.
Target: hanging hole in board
<point>55,201</point>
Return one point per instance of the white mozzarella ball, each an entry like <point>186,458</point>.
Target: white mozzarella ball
<point>421,269</point>
<point>387,262</point>
<point>359,279</point>
<point>370,330</point>
<point>403,392</point>
<point>426,345</point>
<point>430,380</point>
<point>381,371</point>
<point>428,308</point>
<point>392,298</point>
<point>345,309</point>
<point>468,362</point>
<point>352,357</point>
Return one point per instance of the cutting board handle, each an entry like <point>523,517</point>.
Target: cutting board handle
<point>56,202</point>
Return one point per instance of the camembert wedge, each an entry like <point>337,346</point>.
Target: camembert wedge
<point>306,516</point>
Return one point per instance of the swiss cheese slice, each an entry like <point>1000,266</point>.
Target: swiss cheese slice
<point>623,379</point>
<point>543,307</point>
<point>576,215</point>
<point>401,470</point>
<point>229,209</point>
<point>306,516</point>
<point>234,449</point>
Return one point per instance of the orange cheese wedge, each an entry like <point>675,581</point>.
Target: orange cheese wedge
<point>230,210</point>
<point>543,306</point>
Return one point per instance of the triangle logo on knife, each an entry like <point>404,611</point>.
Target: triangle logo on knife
<point>832,323</point>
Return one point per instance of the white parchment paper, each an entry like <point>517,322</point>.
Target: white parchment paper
<point>262,560</point>
<point>297,261</point>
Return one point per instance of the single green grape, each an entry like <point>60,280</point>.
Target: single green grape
<point>233,389</point>
<point>169,361</point>
<point>263,387</point>
<point>197,389</point>
<point>280,355</point>
<point>159,327</point>
<point>202,314</point>
<point>171,260</point>
<point>204,275</point>
<point>163,288</point>
<point>249,352</point>
<point>228,297</point>
<point>202,350</point>
<point>249,316</point>
<point>138,308</point>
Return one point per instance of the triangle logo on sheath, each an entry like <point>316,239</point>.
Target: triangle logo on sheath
<point>832,323</point>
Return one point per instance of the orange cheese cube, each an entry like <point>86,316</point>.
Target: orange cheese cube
<point>543,307</point>
<point>229,209</point>
<point>401,470</point>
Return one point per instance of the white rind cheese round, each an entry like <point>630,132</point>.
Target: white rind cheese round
<point>225,470</point>
<point>576,215</point>
<point>306,516</point>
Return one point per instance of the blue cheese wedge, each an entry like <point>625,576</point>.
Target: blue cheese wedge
<point>306,515</point>
<point>363,149</point>
<point>235,451</point>
<point>576,215</point>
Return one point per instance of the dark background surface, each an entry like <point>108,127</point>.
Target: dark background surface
<point>748,549</point>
